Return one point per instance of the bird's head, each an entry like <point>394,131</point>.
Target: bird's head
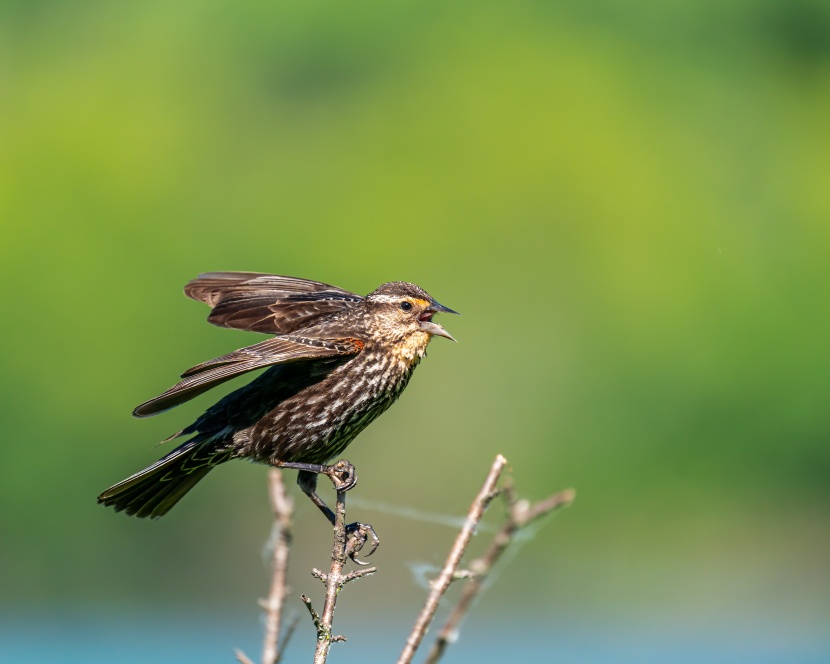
<point>402,314</point>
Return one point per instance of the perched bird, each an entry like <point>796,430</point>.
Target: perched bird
<point>338,360</point>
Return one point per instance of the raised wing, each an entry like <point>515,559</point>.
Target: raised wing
<point>278,350</point>
<point>266,302</point>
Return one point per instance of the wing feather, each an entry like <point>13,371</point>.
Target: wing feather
<point>278,350</point>
<point>267,303</point>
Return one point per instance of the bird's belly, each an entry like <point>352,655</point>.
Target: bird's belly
<point>319,422</point>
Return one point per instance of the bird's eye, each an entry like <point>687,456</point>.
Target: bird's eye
<point>406,306</point>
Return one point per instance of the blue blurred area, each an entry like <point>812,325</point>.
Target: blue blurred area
<point>627,202</point>
<point>196,636</point>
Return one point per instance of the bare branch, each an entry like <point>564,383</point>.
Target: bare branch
<point>315,617</point>
<point>334,580</point>
<point>519,515</point>
<point>440,585</point>
<point>338,560</point>
<point>357,574</point>
<point>282,507</point>
<point>286,637</point>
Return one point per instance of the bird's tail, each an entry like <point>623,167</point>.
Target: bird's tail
<point>154,490</point>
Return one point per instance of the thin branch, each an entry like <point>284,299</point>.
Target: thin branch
<point>282,507</point>
<point>286,637</point>
<point>334,581</point>
<point>519,515</point>
<point>315,617</point>
<point>241,657</point>
<point>357,574</point>
<point>442,583</point>
<point>338,560</point>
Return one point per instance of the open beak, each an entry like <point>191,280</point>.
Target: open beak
<point>435,329</point>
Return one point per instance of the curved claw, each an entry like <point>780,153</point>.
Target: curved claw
<point>342,475</point>
<point>357,561</point>
<point>358,534</point>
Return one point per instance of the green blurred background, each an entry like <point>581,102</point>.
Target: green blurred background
<point>628,202</point>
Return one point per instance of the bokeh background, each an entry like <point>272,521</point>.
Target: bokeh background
<point>629,204</point>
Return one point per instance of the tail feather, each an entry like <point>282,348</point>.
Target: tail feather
<point>153,491</point>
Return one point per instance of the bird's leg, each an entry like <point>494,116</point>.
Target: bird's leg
<point>342,475</point>
<point>357,532</point>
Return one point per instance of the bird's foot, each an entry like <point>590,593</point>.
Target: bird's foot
<point>358,534</point>
<point>342,475</point>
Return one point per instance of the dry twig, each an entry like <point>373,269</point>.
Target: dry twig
<point>282,506</point>
<point>442,583</point>
<point>519,515</point>
<point>334,580</point>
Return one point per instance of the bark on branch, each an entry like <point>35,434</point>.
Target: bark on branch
<point>334,580</point>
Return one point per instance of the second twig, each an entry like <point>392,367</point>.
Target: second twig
<point>445,578</point>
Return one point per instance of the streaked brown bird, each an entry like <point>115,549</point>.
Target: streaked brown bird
<point>338,361</point>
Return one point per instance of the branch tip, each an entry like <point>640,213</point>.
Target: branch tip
<point>241,657</point>
<point>357,574</point>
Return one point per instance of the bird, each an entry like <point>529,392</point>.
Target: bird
<point>337,360</point>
